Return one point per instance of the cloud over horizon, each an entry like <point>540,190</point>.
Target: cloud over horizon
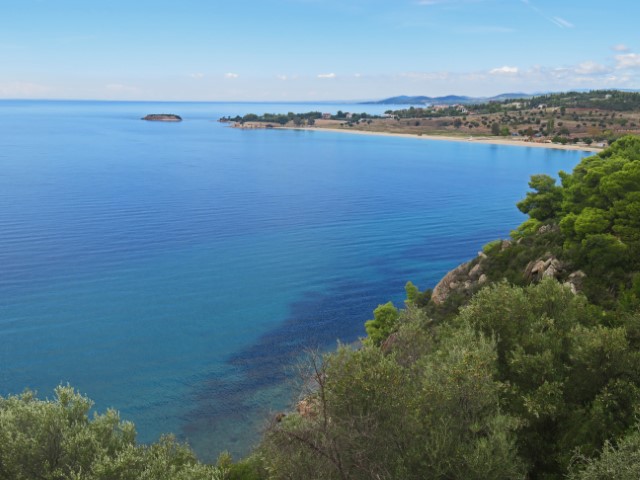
<point>506,70</point>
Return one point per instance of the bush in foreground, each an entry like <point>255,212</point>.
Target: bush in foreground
<point>56,439</point>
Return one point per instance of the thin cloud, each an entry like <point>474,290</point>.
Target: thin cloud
<point>327,75</point>
<point>590,68</point>
<point>621,47</point>
<point>424,76</point>
<point>23,90</point>
<point>628,60</point>
<point>557,21</point>
<point>506,70</point>
<point>231,75</point>
<point>197,76</point>
<point>562,23</point>
<point>281,77</point>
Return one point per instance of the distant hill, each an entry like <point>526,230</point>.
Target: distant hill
<point>446,100</point>
<point>576,96</point>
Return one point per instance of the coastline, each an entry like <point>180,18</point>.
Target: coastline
<point>447,138</point>
<point>484,140</point>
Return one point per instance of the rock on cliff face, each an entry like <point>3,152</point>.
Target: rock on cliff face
<point>163,117</point>
<point>465,278</point>
<point>547,266</point>
<point>470,276</point>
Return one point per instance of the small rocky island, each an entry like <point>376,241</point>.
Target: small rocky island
<point>163,117</point>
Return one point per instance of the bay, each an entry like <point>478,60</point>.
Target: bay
<point>177,271</point>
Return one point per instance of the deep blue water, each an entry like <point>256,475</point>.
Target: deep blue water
<point>175,271</point>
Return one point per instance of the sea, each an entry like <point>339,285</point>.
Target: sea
<point>182,272</point>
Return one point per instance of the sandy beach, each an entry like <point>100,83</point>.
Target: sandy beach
<point>509,141</point>
<point>487,140</point>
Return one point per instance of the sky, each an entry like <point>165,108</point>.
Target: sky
<point>313,50</point>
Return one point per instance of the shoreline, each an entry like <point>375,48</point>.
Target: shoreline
<point>483,140</point>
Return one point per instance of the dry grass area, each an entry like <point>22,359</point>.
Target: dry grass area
<point>570,128</point>
<point>573,124</point>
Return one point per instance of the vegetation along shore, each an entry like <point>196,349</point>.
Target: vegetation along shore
<point>586,120</point>
<point>522,363</point>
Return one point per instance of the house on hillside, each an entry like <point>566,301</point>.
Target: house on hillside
<point>326,116</point>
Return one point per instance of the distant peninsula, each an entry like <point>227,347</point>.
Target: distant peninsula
<point>572,120</point>
<point>163,117</point>
<point>447,100</point>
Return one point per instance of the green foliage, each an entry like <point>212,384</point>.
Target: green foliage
<point>573,381</point>
<point>383,323</point>
<point>613,100</point>
<point>298,119</point>
<point>56,439</point>
<point>544,203</point>
<point>492,246</point>
<point>415,297</point>
<point>436,415</point>
<point>598,210</point>
<point>621,462</point>
<point>528,228</point>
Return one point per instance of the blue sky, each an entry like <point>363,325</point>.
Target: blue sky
<point>311,50</point>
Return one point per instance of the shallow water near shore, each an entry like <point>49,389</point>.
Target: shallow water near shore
<point>176,271</point>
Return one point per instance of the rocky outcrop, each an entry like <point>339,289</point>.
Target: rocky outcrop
<point>469,277</point>
<point>574,281</point>
<point>163,117</point>
<point>550,266</point>
<point>548,229</point>
<point>307,408</point>
<point>465,278</point>
<point>547,266</point>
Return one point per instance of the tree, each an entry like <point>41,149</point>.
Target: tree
<point>250,117</point>
<point>56,439</point>
<point>615,462</point>
<point>545,202</point>
<point>383,323</point>
<point>573,381</point>
<point>550,126</point>
<point>368,417</point>
<point>495,128</point>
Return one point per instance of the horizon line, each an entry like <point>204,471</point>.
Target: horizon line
<point>335,101</point>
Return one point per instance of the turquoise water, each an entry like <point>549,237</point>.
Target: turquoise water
<point>176,271</point>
